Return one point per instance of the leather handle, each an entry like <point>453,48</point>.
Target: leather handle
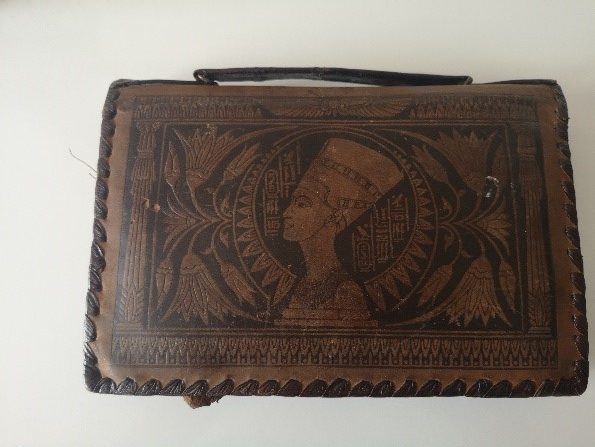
<point>208,76</point>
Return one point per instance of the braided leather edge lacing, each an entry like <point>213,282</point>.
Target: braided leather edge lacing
<point>199,393</point>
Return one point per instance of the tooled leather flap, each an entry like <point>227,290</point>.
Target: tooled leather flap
<point>387,241</point>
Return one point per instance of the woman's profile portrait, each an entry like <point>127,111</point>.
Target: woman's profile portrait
<point>344,180</point>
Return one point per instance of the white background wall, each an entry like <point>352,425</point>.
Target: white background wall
<point>56,62</point>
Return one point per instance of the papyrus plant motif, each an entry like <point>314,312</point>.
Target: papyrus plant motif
<point>507,280</point>
<point>240,163</point>
<point>204,151</point>
<point>539,289</point>
<point>467,153</point>
<point>496,225</point>
<point>435,284</point>
<point>180,221</point>
<point>476,294</point>
<point>197,295</point>
<point>133,302</point>
<point>430,164</point>
<point>164,275</point>
<point>474,297</point>
<point>131,307</point>
<point>172,167</point>
<point>237,282</point>
<point>499,166</point>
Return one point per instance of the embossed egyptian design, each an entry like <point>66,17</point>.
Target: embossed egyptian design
<point>308,222</point>
<point>320,191</point>
<point>391,241</point>
<point>225,218</point>
<point>135,291</point>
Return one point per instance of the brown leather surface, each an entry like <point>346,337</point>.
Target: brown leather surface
<point>355,241</point>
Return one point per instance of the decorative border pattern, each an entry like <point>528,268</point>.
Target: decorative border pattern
<point>200,393</point>
<point>368,351</point>
<point>577,384</point>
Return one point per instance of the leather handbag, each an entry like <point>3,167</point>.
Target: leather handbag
<point>415,236</point>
